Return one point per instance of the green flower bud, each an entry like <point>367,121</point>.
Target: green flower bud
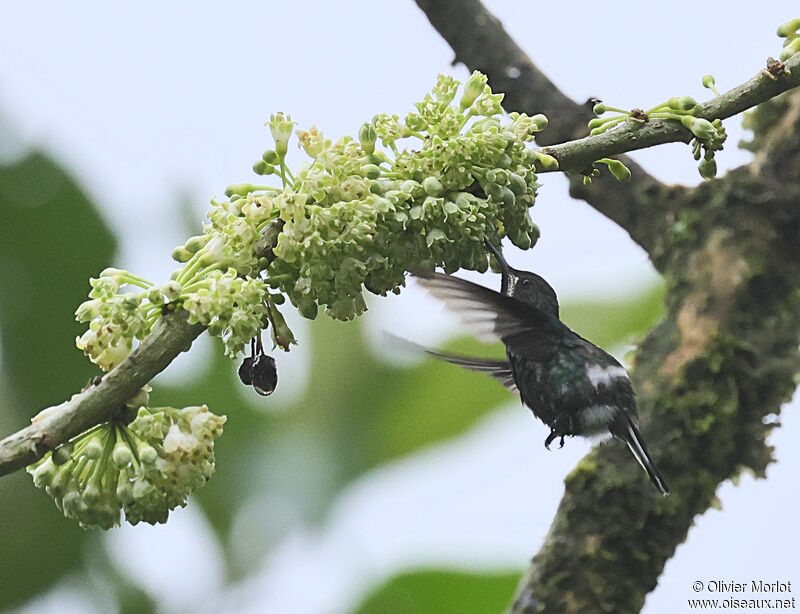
<point>270,156</point>
<point>113,273</point>
<point>308,309</point>
<point>241,189</point>
<point>147,454</point>
<point>708,168</point>
<point>710,83</point>
<point>464,200</point>
<point>62,454</point>
<point>472,89</point>
<point>281,333</point>
<point>436,234</point>
<point>682,103</point>
<point>450,207</point>
<point>790,28</point>
<point>72,504</point>
<point>432,186</point>
<point>378,187</point>
<point>697,146</point>
<point>597,122</point>
<point>790,49</point>
<point>701,128</point>
<point>367,135</point>
<point>546,162</point>
<point>91,494</point>
<point>58,485</point>
<point>370,171</point>
<point>617,168</point>
<point>155,297</point>
<point>540,121</point>
<point>508,198</point>
<point>599,108</point>
<point>263,168</point>
<point>93,448</point>
<point>181,254</point>
<point>122,455</point>
<point>517,184</point>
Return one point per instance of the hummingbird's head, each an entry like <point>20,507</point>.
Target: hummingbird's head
<point>525,286</point>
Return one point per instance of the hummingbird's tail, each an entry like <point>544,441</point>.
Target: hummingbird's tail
<point>631,435</point>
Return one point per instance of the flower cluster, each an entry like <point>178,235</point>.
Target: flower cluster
<point>790,31</point>
<point>145,468</point>
<point>355,216</point>
<point>708,135</point>
<point>359,216</point>
<point>123,307</point>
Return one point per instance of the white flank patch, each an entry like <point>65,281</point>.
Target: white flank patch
<point>603,375</point>
<point>595,419</point>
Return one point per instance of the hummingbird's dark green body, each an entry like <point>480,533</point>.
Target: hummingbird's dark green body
<point>570,384</point>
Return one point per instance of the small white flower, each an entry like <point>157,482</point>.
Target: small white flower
<point>176,440</point>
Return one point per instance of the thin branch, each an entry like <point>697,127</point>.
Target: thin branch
<point>632,135</point>
<point>55,425</point>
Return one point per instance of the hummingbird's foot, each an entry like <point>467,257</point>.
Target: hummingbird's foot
<point>552,437</point>
<point>561,443</point>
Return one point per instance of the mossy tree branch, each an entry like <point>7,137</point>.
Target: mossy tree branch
<point>712,376</point>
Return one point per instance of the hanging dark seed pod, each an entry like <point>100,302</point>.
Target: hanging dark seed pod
<point>265,374</point>
<point>246,371</point>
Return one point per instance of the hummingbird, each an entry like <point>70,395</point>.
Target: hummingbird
<point>570,384</point>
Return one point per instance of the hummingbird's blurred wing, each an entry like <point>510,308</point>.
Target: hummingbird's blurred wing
<point>491,316</point>
<point>498,369</point>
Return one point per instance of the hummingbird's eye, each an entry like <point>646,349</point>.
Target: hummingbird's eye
<point>526,283</point>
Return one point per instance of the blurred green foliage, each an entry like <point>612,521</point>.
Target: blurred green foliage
<point>612,321</point>
<point>356,413</point>
<point>442,592</point>
<point>51,240</point>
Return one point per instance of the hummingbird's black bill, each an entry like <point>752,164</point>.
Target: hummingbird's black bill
<point>504,266</point>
